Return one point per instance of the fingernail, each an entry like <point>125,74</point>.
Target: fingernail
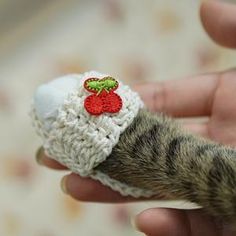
<point>133,223</point>
<point>39,155</point>
<point>63,185</point>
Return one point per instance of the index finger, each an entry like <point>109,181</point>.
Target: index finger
<point>44,160</point>
<point>83,189</point>
<point>89,190</point>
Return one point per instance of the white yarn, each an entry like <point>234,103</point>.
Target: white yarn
<point>75,138</point>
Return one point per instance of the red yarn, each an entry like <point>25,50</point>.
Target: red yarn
<point>93,105</point>
<point>112,103</point>
<point>102,101</point>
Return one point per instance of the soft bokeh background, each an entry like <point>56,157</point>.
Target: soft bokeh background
<point>133,40</point>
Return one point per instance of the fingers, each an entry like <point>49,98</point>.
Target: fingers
<point>219,20</point>
<point>181,98</point>
<point>198,218</point>
<point>86,189</point>
<point>198,128</point>
<point>165,222</point>
<point>44,160</point>
<point>83,189</point>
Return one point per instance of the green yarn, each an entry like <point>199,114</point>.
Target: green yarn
<point>94,84</point>
<point>107,84</point>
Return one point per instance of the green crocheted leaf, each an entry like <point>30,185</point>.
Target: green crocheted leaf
<point>98,85</point>
<point>108,83</point>
<point>95,85</point>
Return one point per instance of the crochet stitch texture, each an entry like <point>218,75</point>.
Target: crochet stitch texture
<point>81,141</point>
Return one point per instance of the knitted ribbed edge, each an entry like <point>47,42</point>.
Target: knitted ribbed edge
<point>81,141</point>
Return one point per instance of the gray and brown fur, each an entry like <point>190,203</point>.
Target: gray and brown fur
<point>155,154</point>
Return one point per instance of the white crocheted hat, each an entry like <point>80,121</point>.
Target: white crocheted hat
<point>75,135</point>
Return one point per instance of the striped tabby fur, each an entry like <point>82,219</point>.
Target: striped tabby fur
<point>155,154</point>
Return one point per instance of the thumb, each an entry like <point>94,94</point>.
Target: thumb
<point>219,20</point>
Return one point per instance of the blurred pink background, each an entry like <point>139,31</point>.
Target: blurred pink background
<point>132,40</point>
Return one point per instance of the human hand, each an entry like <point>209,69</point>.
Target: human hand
<point>209,95</point>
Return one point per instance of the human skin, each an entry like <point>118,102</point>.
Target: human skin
<point>209,95</point>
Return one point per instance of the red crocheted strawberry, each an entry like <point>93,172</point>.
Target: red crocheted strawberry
<point>103,99</point>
